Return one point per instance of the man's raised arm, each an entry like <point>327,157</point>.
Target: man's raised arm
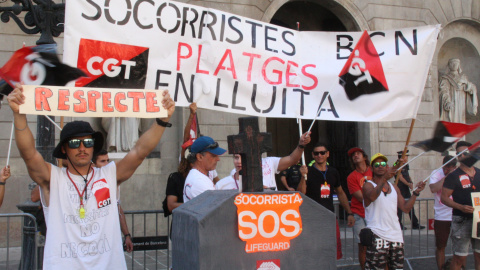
<point>296,154</point>
<point>38,169</point>
<point>145,144</point>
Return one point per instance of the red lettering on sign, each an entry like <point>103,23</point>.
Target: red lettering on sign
<point>311,76</point>
<point>82,106</point>
<point>228,53</point>
<point>136,96</point>
<point>288,74</point>
<point>275,71</point>
<point>92,100</point>
<point>179,53</point>
<point>41,98</point>
<point>118,105</point>
<point>63,96</point>
<point>107,101</point>
<point>198,61</point>
<point>151,102</point>
<point>250,64</point>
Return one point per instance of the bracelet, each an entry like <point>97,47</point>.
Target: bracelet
<point>301,146</point>
<point>2,183</point>
<point>416,193</point>
<point>26,125</point>
<point>163,123</point>
<point>127,235</point>
<point>350,214</point>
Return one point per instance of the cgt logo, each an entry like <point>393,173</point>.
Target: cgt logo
<point>110,67</point>
<point>102,193</point>
<point>465,181</point>
<point>112,64</point>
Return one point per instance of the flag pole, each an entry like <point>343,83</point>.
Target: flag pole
<point>10,144</point>
<point>428,177</point>
<point>419,155</point>
<point>61,127</point>
<point>405,148</point>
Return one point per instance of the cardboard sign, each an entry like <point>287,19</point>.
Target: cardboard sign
<point>235,64</point>
<point>267,222</point>
<point>476,215</point>
<point>92,102</point>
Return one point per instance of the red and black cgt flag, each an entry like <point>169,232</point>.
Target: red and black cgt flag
<point>38,65</point>
<point>446,134</point>
<point>363,72</point>
<point>112,65</point>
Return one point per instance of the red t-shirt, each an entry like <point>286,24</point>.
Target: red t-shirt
<point>355,181</point>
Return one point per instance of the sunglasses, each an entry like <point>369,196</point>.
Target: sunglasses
<point>319,152</point>
<point>378,164</point>
<point>464,153</point>
<point>75,143</point>
<point>211,146</point>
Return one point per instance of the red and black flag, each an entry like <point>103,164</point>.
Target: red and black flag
<point>363,73</point>
<point>38,65</point>
<point>446,134</point>
<point>193,134</point>
<point>472,155</point>
<point>110,64</point>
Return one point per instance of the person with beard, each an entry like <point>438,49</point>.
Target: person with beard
<point>456,193</point>
<point>79,197</point>
<point>355,180</point>
<point>381,200</point>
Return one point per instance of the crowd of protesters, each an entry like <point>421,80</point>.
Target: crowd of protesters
<point>375,211</point>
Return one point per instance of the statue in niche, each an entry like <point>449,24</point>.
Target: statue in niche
<point>123,132</point>
<point>457,94</point>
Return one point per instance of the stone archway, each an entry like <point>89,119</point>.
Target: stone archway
<point>316,16</point>
<point>460,39</point>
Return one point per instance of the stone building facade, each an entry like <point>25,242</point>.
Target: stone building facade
<point>459,38</point>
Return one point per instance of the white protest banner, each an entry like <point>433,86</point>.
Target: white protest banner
<point>236,64</point>
<point>92,102</point>
<point>476,215</point>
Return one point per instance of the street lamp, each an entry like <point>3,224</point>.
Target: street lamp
<point>46,17</point>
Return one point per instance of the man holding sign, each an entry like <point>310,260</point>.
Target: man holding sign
<point>459,184</point>
<point>78,201</point>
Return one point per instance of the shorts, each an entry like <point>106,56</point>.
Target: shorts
<point>358,226</point>
<point>383,253</point>
<point>442,231</point>
<point>461,235</point>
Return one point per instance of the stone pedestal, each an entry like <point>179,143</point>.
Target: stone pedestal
<point>205,236</point>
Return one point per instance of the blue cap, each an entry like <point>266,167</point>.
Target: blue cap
<point>206,144</point>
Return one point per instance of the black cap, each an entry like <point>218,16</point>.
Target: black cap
<point>77,129</point>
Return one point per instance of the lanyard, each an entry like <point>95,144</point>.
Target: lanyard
<point>82,209</point>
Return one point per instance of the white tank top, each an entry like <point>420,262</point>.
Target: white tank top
<point>93,242</point>
<point>381,216</point>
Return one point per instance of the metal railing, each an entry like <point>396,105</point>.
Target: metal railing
<point>417,243</point>
<point>18,243</point>
<point>144,224</point>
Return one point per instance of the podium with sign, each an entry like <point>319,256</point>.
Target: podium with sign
<point>232,230</point>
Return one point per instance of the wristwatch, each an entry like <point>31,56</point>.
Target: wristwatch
<point>163,123</point>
